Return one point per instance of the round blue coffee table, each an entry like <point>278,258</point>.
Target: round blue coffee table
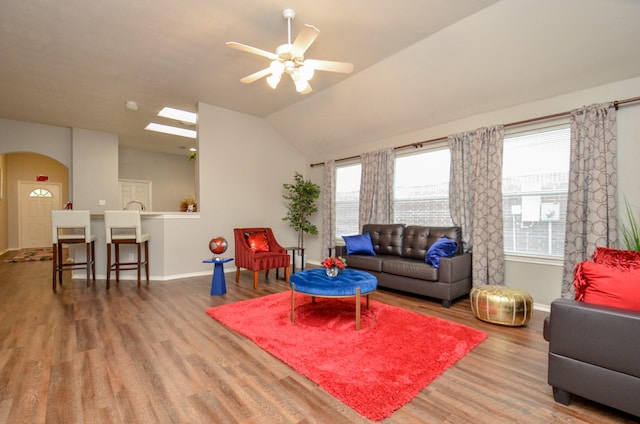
<point>348,283</point>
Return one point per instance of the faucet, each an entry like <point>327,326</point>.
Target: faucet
<point>126,208</point>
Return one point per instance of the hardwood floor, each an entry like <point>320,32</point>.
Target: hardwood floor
<point>152,355</point>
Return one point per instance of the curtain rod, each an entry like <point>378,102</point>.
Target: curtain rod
<point>419,144</point>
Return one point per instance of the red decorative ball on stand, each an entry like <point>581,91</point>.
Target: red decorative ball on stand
<point>218,245</point>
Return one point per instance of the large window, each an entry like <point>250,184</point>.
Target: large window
<point>347,199</point>
<point>421,188</point>
<point>534,188</point>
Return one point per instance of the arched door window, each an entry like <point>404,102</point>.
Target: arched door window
<point>40,192</point>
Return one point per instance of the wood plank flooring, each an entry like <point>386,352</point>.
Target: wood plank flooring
<point>152,355</point>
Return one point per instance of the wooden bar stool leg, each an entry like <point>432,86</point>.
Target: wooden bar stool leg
<point>60,263</point>
<point>88,259</point>
<point>93,261</point>
<point>139,262</point>
<point>55,264</point>
<point>146,259</point>
<point>108,264</point>
<point>117,263</point>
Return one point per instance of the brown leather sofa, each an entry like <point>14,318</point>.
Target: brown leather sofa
<point>400,261</point>
<point>594,353</point>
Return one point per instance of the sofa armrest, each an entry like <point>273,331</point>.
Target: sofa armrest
<point>455,268</point>
<point>599,335</point>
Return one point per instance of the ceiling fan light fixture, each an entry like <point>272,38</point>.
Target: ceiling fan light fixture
<point>277,68</point>
<point>301,84</point>
<point>273,80</point>
<point>306,72</point>
<point>289,58</point>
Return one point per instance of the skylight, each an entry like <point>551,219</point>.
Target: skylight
<point>183,116</point>
<point>178,115</point>
<point>167,129</point>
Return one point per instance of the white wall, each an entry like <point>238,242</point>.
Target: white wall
<point>243,164</point>
<point>95,170</point>
<point>543,281</point>
<point>18,136</point>
<point>172,177</point>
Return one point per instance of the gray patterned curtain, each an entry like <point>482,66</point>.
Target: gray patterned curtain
<point>328,208</point>
<point>376,187</point>
<point>475,199</point>
<point>592,198</point>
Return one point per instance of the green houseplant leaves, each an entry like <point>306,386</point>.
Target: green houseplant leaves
<point>301,197</point>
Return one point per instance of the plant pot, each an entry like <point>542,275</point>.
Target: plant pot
<point>300,261</point>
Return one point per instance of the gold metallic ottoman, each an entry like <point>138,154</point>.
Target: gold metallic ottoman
<point>501,305</point>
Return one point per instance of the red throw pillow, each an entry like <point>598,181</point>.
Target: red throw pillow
<point>258,241</point>
<point>622,259</point>
<point>610,286</point>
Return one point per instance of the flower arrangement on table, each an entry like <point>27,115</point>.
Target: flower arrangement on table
<point>333,265</point>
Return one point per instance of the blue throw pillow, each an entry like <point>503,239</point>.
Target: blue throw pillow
<point>359,245</point>
<point>443,247</point>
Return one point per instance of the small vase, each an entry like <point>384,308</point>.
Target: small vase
<point>333,271</point>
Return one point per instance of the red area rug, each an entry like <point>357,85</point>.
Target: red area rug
<point>33,255</point>
<point>376,370</point>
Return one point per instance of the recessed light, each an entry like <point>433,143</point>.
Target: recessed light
<point>178,115</point>
<point>131,105</point>
<point>167,129</point>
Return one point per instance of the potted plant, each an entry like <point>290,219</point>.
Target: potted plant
<point>301,197</point>
<point>630,229</point>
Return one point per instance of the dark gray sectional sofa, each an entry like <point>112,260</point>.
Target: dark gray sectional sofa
<point>593,353</point>
<point>399,262</point>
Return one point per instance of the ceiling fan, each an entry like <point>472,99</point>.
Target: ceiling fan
<point>289,59</point>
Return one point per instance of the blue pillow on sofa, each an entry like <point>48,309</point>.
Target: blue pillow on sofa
<point>359,245</point>
<point>443,247</point>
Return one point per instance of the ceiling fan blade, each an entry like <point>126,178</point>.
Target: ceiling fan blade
<point>329,65</point>
<point>307,90</point>
<point>305,38</point>
<point>256,76</point>
<point>249,49</point>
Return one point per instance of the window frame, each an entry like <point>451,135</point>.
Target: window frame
<point>532,128</point>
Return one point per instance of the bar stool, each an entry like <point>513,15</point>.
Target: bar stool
<point>124,227</point>
<point>72,227</point>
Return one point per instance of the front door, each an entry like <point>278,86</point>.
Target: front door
<point>35,202</point>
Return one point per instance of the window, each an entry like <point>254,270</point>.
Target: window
<point>40,192</point>
<point>347,199</point>
<point>421,188</point>
<point>535,178</point>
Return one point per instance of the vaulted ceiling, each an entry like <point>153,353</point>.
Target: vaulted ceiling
<point>418,63</point>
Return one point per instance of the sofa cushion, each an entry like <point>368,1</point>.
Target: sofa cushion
<point>365,263</point>
<point>410,268</point>
<point>609,286</point>
<point>359,244</point>
<point>414,243</point>
<point>386,238</point>
<point>443,248</point>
